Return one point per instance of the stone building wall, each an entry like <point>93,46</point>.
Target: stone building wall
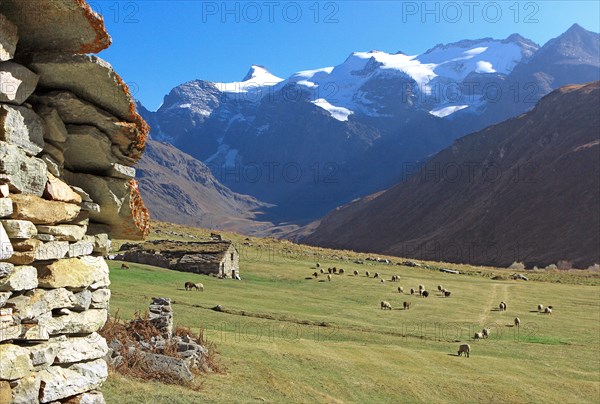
<point>69,136</point>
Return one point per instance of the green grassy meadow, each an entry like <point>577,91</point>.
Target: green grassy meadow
<point>286,338</point>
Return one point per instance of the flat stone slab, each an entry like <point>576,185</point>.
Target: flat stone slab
<point>22,173</point>
<point>8,39</point>
<point>22,127</point>
<point>17,83</point>
<point>65,26</point>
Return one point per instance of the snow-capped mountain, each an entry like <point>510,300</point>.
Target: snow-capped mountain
<point>322,137</point>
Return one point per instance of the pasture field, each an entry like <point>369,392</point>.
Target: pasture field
<point>287,337</point>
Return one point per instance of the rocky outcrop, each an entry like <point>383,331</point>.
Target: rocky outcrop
<point>69,136</point>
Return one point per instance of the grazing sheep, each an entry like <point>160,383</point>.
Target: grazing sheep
<point>355,272</point>
<point>440,288</point>
<point>334,270</point>
<point>502,306</point>
<point>322,271</point>
<point>464,348</point>
<point>540,307</point>
<point>485,332</point>
<point>412,291</point>
<point>382,281</point>
<point>385,305</point>
<point>367,274</point>
<point>189,285</point>
<point>315,274</point>
<point>517,321</point>
<point>341,271</point>
<point>548,310</point>
<point>406,305</point>
<point>318,265</point>
<point>330,270</point>
<point>376,275</point>
<point>400,289</point>
<point>124,266</point>
<point>329,277</point>
<point>421,287</point>
<point>199,287</point>
<point>425,293</point>
<point>478,335</point>
<point>447,293</point>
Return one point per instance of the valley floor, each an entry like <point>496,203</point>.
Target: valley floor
<point>293,339</point>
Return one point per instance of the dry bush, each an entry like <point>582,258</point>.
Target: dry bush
<point>133,364</point>
<point>564,264</point>
<point>594,268</point>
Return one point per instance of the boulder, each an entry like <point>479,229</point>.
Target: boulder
<point>8,41</point>
<point>90,397</point>
<point>63,232</point>
<point>79,349</point>
<point>75,273</point>
<point>88,150</point>
<point>55,128</point>
<point>52,164</point>
<point>15,361</point>
<point>65,26</point>
<point>52,250</point>
<point>5,390</point>
<point>6,248</point>
<point>27,245</point>
<point>117,170</point>
<point>90,78</point>
<point>4,296</point>
<point>23,174</point>
<point>9,327</point>
<point>85,322</point>
<point>178,368</point>
<point>19,228</point>
<point>60,382</point>
<point>57,190</point>
<point>121,206</point>
<point>28,307</point>
<point>22,127</point>
<point>129,139</point>
<point>100,299</point>
<point>6,208</point>
<point>6,269</point>
<point>18,83</point>
<point>21,278</point>
<point>81,301</point>
<point>101,243</point>
<point>42,211</point>
<point>26,390</point>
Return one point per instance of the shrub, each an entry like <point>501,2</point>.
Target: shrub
<point>551,266</point>
<point>517,266</point>
<point>564,264</point>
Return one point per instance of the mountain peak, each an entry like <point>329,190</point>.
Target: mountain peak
<point>256,71</point>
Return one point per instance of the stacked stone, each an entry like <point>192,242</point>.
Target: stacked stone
<point>69,136</point>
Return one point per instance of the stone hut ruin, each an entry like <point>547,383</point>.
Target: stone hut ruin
<point>218,258</point>
<point>69,136</point>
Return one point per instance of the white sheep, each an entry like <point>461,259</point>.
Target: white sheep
<point>485,332</point>
<point>464,348</point>
<point>376,275</point>
<point>440,288</point>
<point>548,310</point>
<point>355,272</point>
<point>400,289</point>
<point>478,335</point>
<point>329,277</point>
<point>385,305</point>
<point>517,321</point>
<point>540,307</point>
<point>382,281</point>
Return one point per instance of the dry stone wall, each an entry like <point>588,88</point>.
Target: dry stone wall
<point>69,137</point>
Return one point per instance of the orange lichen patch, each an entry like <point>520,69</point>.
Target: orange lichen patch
<point>139,212</point>
<point>139,143</point>
<point>102,40</point>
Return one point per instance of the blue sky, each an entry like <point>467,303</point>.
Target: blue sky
<point>160,44</point>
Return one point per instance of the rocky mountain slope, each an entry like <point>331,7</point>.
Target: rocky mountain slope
<point>324,137</point>
<point>523,190</point>
<point>177,188</point>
